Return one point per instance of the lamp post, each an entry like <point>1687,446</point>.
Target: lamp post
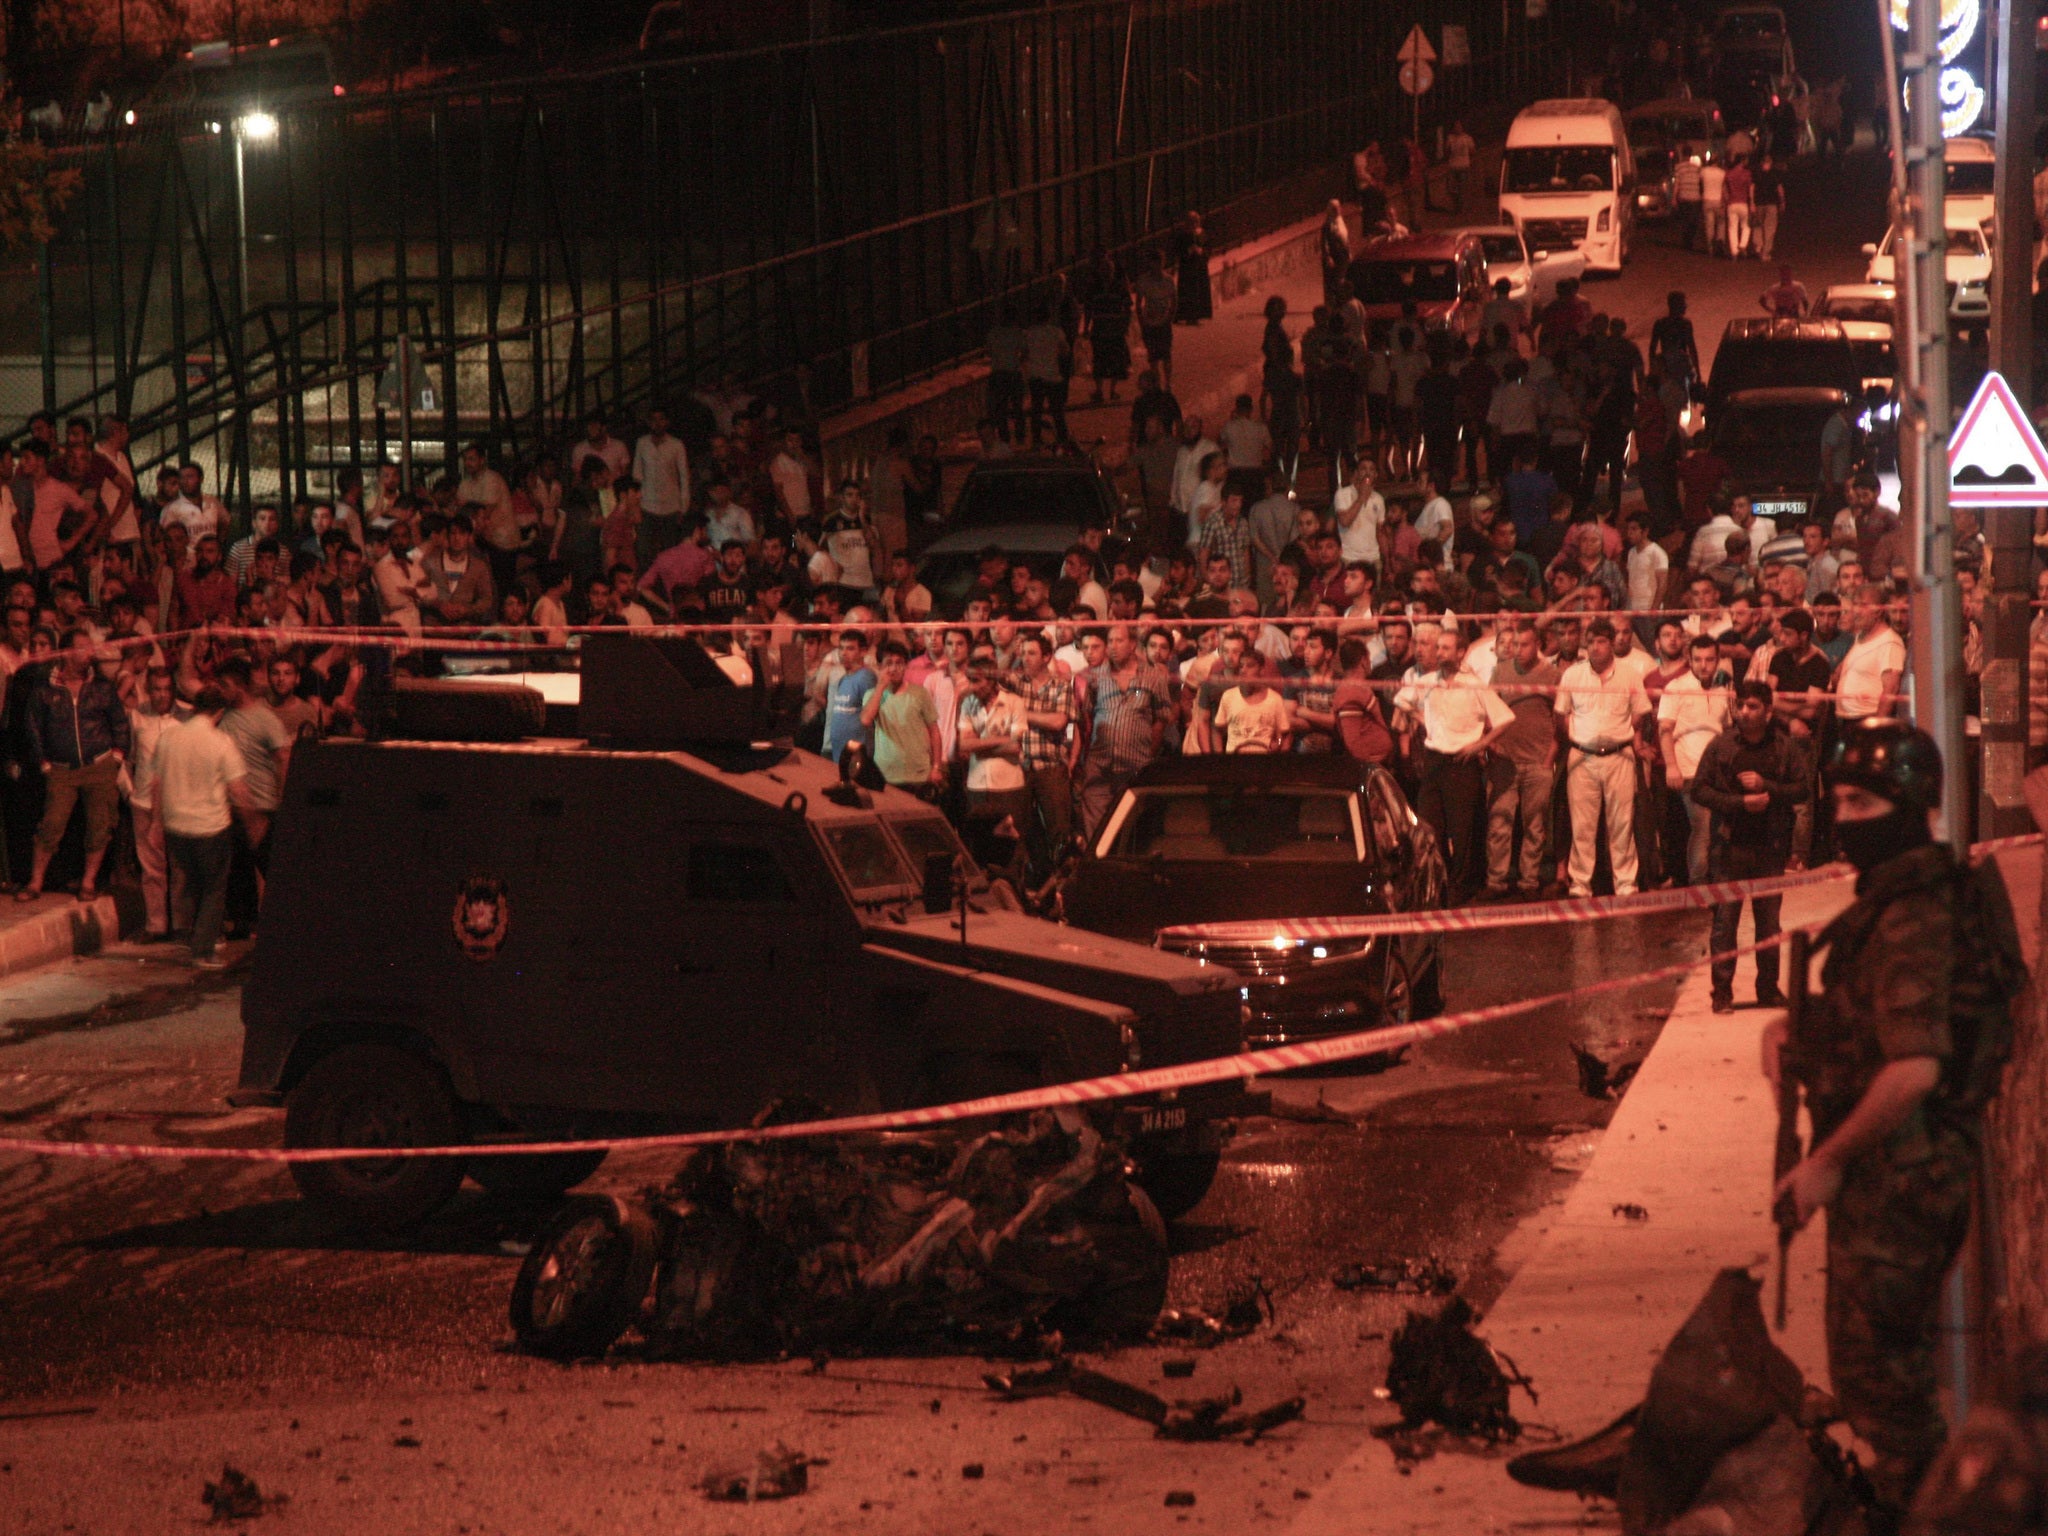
<point>253,127</point>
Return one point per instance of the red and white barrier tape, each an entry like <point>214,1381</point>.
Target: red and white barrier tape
<point>1571,909</point>
<point>1094,1090</point>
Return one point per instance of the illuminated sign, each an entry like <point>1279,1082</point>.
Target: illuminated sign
<point>1962,98</point>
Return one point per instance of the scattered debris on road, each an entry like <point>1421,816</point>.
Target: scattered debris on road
<point>1630,1211</point>
<point>236,1497</point>
<point>1440,1372</point>
<point>1407,1277</point>
<point>1245,1311</point>
<point>1002,1240</point>
<point>1184,1419</point>
<point>1180,1498</point>
<point>1175,1370</point>
<point>1602,1079</point>
<point>776,1474</point>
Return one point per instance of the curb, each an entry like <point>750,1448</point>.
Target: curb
<point>58,930</point>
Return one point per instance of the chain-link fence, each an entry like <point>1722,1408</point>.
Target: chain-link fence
<point>823,221</point>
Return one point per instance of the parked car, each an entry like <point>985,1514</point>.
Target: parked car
<point>1031,507</point>
<point>1532,275</point>
<point>1232,837</point>
<point>1656,172</point>
<point>1762,352</point>
<point>1690,125</point>
<point>1967,265</point>
<point>1770,440</point>
<point>1866,313</point>
<point>1444,276</point>
<point>1970,166</point>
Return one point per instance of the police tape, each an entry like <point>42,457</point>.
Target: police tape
<point>1094,1090</point>
<point>1569,909</point>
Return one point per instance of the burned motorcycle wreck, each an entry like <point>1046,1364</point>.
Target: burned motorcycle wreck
<point>984,1236</point>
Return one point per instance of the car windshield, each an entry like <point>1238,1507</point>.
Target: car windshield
<point>1560,168</point>
<point>1654,162</point>
<point>1395,282</point>
<point>868,857</point>
<point>1283,825</point>
<point>1970,177</point>
<point>1063,498</point>
<point>1772,434</point>
<point>1875,310</point>
<point>922,836</point>
<point>1966,242</point>
<point>1502,249</point>
<point>1762,364</point>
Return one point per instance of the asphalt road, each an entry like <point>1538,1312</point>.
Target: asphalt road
<point>157,1319</point>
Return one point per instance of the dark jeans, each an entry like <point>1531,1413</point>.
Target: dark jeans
<point>1006,404</point>
<point>1732,861</point>
<point>1453,790</point>
<point>201,864</point>
<point>1049,398</point>
<point>1052,826</point>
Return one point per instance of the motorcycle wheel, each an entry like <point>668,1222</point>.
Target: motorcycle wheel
<point>585,1278</point>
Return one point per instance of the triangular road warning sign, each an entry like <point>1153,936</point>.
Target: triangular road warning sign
<point>1995,458</point>
<point>1416,49</point>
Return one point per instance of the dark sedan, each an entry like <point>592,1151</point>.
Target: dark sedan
<point>1233,838</point>
<point>1771,440</point>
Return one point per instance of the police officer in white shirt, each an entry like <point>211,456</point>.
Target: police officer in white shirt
<point>1461,717</point>
<point>1601,703</point>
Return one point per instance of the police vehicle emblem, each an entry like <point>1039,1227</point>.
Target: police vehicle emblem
<point>482,914</point>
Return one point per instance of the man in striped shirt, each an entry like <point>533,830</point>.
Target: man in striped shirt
<point>1129,704</point>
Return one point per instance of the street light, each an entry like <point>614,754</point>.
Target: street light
<point>258,127</point>
<point>253,127</point>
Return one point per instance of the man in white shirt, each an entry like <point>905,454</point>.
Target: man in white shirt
<point>1436,520</point>
<point>161,712</point>
<point>1694,710</point>
<point>1195,446</point>
<point>1710,545</point>
<point>1247,441</point>
<point>1601,703</point>
<point>661,465</point>
<point>790,471</point>
<point>213,511</point>
<point>1867,681</point>
<point>990,737</point>
<point>117,482</point>
<point>201,783</point>
<point>1648,566</point>
<point>598,443</point>
<point>14,522</point>
<point>1359,511</point>
<point>1461,717</point>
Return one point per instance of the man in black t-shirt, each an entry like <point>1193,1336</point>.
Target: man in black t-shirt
<point>1673,351</point>
<point>1800,672</point>
<point>729,592</point>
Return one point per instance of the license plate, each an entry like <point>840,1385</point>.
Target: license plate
<point>1162,1119</point>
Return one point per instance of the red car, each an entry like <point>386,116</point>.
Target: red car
<point>1444,275</point>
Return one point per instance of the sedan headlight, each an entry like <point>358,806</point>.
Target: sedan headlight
<point>1606,220</point>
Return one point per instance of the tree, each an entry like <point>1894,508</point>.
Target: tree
<point>33,189</point>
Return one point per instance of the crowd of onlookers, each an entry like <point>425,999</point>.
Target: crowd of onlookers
<point>1533,479</point>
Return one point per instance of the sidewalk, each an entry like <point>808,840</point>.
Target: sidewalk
<point>55,927</point>
<point>1589,1312</point>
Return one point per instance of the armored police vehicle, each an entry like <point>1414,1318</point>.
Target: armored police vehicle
<point>476,931</point>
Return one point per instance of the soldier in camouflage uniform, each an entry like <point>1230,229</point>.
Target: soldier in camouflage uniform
<point>1898,1057</point>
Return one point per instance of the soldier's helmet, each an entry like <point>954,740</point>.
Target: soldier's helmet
<point>1889,758</point>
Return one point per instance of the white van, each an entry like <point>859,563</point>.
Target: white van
<point>1568,179</point>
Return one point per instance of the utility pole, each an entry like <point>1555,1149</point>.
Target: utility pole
<point>1923,446</point>
<point>2008,531</point>
<point>1920,259</point>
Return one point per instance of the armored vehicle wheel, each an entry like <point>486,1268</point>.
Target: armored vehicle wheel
<point>1177,1181</point>
<point>372,1095</point>
<point>537,1176</point>
<point>1129,1239</point>
<point>584,1279</point>
<point>1429,994</point>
